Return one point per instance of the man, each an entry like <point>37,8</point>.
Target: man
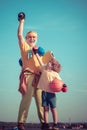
<point>29,61</point>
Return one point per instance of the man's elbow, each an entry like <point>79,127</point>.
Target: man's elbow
<point>19,36</point>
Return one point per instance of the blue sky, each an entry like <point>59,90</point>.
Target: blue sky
<point>62,28</point>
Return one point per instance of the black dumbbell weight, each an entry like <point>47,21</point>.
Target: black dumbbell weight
<point>21,16</point>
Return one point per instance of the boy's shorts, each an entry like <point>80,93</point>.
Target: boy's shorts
<point>48,99</point>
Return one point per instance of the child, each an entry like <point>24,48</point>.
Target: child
<point>49,72</point>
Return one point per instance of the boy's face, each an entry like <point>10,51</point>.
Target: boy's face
<point>31,38</point>
<point>49,66</point>
<point>54,65</point>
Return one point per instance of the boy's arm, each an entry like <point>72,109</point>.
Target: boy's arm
<point>20,31</point>
<point>35,51</point>
<point>39,59</point>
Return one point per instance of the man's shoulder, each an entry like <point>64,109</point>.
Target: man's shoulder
<point>24,45</point>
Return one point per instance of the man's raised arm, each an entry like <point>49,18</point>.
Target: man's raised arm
<point>21,19</point>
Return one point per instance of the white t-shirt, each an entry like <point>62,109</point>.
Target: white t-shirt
<point>46,77</point>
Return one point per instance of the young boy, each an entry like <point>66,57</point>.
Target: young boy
<point>48,73</point>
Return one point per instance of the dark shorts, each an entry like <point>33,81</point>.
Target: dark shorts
<point>48,99</point>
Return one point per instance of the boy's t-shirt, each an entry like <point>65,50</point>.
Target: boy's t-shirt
<point>45,79</point>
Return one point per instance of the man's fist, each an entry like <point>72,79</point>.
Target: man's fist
<point>21,16</point>
<point>38,50</point>
<point>35,49</point>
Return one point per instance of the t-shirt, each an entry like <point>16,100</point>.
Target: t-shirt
<point>28,58</point>
<point>45,79</point>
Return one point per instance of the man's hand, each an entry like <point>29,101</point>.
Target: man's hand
<point>21,16</point>
<point>35,49</point>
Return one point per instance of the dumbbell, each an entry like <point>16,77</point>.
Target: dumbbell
<point>21,16</point>
<point>20,62</point>
<point>38,50</point>
<point>65,88</point>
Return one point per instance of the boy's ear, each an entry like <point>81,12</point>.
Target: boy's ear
<point>57,67</point>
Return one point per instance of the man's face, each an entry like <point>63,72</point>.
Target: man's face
<point>31,39</point>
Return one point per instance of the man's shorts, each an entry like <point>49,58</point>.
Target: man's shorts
<point>48,99</point>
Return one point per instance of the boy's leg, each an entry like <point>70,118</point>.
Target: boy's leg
<point>54,111</point>
<point>45,105</point>
<point>55,118</point>
<point>46,114</point>
<point>54,115</point>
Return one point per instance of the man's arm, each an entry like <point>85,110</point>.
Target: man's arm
<point>20,31</point>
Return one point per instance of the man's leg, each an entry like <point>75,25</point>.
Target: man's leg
<point>25,104</point>
<point>24,107</point>
<point>38,100</point>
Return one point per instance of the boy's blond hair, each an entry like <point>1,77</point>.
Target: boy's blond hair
<point>55,65</point>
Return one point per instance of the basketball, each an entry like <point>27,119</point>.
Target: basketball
<point>56,85</point>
